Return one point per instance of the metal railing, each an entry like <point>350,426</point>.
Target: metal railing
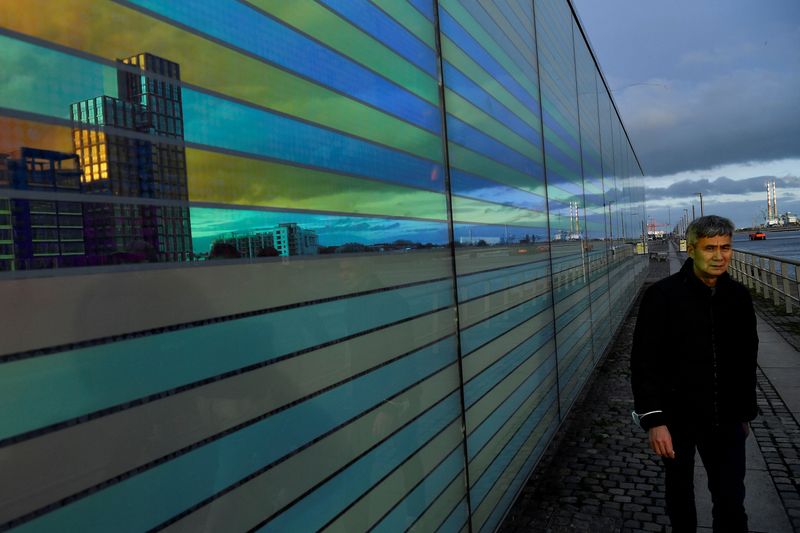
<point>770,276</point>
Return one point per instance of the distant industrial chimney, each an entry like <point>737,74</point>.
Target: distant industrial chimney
<point>772,203</point>
<point>769,202</point>
<point>774,200</point>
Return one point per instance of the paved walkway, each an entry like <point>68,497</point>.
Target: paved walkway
<point>599,475</point>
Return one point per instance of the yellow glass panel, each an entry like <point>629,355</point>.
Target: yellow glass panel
<point>18,132</point>
<point>222,178</point>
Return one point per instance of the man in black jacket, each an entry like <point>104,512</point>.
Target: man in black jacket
<point>693,371</point>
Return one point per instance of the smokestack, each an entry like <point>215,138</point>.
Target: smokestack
<point>771,186</point>
<point>774,198</point>
<point>771,210</point>
<point>769,202</point>
<point>572,218</point>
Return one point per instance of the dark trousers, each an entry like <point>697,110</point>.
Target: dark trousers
<point>722,451</point>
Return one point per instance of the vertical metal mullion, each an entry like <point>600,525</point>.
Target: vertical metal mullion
<point>547,207</point>
<point>451,238</point>
<point>603,183</point>
<point>583,180</point>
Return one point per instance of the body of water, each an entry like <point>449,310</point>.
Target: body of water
<point>785,244</point>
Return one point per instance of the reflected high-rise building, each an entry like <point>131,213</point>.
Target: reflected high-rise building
<point>132,146</point>
<point>6,229</point>
<point>41,231</point>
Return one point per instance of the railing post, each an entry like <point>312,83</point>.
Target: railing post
<point>771,278</point>
<point>757,274</point>
<point>743,268</point>
<point>773,285</point>
<point>787,295</point>
<point>738,266</point>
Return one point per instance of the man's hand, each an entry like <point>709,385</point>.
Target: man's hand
<point>661,441</point>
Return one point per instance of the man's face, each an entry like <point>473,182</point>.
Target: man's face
<point>711,256</point>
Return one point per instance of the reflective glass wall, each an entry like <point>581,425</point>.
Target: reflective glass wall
<point>290,266</point>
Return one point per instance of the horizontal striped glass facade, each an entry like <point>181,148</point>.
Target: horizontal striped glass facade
<point>292,266</point>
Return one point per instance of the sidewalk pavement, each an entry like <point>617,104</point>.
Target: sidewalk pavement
<point>598,474</point>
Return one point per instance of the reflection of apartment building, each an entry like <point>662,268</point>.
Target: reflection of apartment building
<point>291,239</point>
<point>40,232</point>
<point>252,245</point>
<point>6,230</point>
<point>132,146</point>
<point>286,239</point>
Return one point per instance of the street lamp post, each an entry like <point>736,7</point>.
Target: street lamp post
<point>685,220</point>
<point>701,203</point>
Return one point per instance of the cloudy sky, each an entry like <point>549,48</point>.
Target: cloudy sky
<point>709,91</point>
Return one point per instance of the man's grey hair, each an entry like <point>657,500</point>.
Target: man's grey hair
<point>709,226</point>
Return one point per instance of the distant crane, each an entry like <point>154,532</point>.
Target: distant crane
<point>653,227</point>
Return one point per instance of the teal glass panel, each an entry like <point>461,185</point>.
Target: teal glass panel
<point>571,245</point>
<point>590,86</point>
<point>503,269</point>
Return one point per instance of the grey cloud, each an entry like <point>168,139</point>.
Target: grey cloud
<point>742,117</point>
<point>351,225</point>
<point>718,186</point>
<point>702,84</point>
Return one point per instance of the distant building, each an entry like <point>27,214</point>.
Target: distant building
<point>291,239</point>
<point>287,239</point>
<point>40,233</point>
<point>132,146</point>
<point>474,241</point>
<point>6,229</point>
<point>788,219</point>
<point>563,235</point>
<point>252,245</point>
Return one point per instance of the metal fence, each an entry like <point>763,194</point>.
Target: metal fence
<point>772,277</point>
